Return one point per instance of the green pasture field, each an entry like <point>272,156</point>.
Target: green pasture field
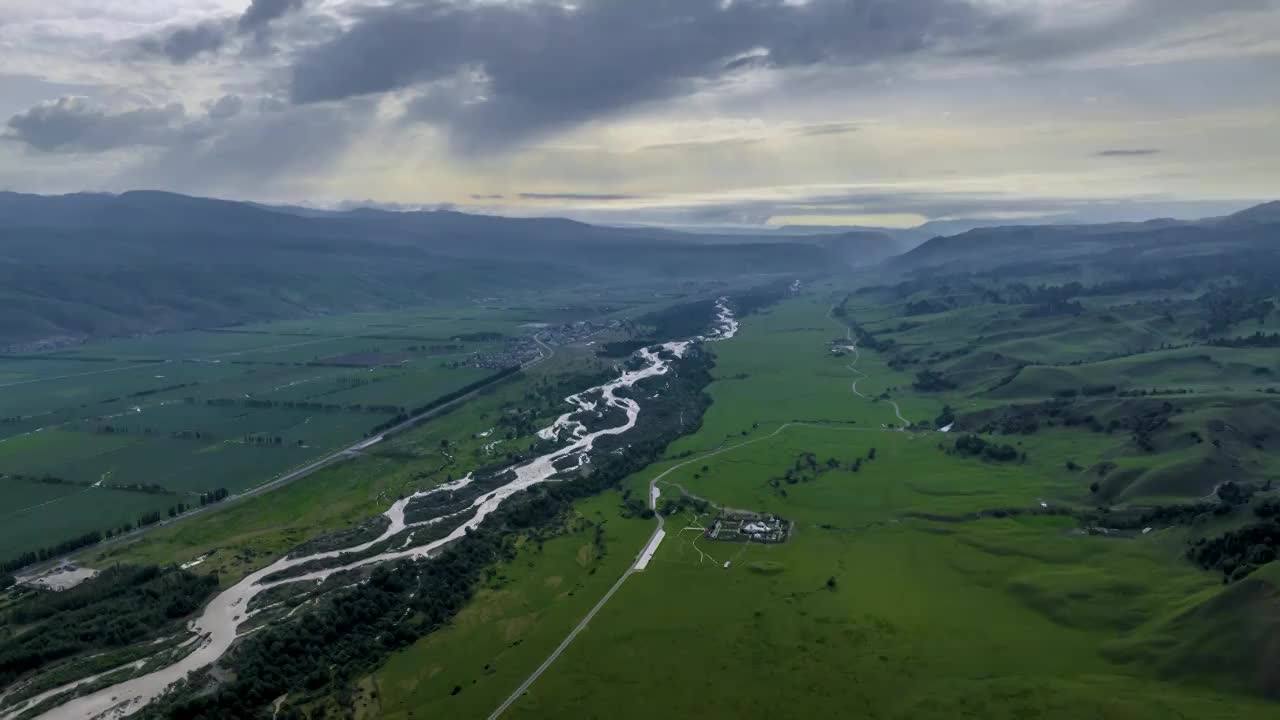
<point>192,344</point>
<point>23,495</point>
<point>249,534</point>
<point>221,458</point>
<point>515,620</point>
<point>73,511</point>
<point>1020,617</point>
<point>893,598</point>
<point>1199,369</point>
<point>779,370</point>
<point>408,388</point>
<point>58,413</point>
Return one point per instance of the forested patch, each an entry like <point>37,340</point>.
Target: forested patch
<point>974,446</point>
<point>1237,553</point>
<point>120,606</point>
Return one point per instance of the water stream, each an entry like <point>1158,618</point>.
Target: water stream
<point>218,625</point>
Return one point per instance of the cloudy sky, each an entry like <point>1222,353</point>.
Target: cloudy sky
<point>681,112</point>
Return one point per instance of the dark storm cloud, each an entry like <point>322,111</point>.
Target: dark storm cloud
<point>73,125</point>
<point>1129,152</point>
<point>261,12</point>
<point>576,196</point>
<point>226,106</point>
<point>538,67</point>
<point>184,43</point>
<point>498,74</point>
<point>259,149</point>
<point>234,147</point>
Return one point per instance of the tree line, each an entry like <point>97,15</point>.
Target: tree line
<point>443,399</point>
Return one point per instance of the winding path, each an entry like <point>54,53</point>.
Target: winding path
<point>857,355</point>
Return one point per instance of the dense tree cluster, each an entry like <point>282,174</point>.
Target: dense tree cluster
<point>1237,553</point>
<point>678,321</point>
<point>927,306</point>
<point>120,606</point>
<point>752,301</point>
<point>932,381</point>
<point>1256,340</point>
<point>975,446</point>
<point>216,496</point>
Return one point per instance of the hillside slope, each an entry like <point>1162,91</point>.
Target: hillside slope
<point>987,248</point>
<point>87,265</point>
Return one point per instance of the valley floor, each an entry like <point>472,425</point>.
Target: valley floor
<point>898,595</point>
<point>988,516</point>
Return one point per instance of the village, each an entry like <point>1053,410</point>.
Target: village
<point>528,348</point>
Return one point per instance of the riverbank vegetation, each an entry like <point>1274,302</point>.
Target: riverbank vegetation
<point>120,607</point>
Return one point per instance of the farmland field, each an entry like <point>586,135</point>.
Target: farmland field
<point>192,412</point>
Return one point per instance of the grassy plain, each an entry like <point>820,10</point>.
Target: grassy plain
<point>890,600</point>
<point>195,411</point>
<point>514,622</point>
<point>924,584</point>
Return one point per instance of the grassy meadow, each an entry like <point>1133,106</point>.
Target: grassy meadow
<point>900,594</point>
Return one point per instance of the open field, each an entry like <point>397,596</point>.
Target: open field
<point>924,576</point>
<point>892,597</point>
<point>188,413</point>
<point>247,535</point>
<point>515,620</point>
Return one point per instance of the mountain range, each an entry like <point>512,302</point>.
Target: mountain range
<point>94,265</point>
<point>988,248</point>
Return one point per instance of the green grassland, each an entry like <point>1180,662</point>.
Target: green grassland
<point>918,582</point>
<point>515,620</point>
<point>930,612</point>
<point>247,535</point>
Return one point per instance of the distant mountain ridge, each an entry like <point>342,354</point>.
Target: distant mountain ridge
<point>92,265</point>
<point>991,247</point>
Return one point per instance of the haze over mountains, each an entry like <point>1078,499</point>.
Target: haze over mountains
<point>93,265</point>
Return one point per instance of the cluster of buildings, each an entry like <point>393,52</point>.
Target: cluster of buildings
<point>526,349</point>
<point>743,526</point>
